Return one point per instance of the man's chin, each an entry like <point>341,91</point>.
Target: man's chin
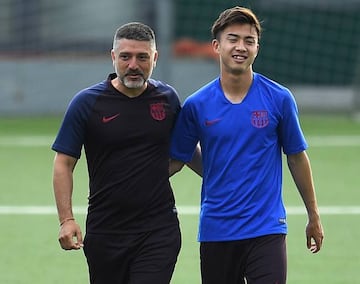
<point>134,84</point>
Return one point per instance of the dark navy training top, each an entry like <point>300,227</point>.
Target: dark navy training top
<point>126,143</point>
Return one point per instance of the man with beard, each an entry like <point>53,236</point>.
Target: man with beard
<point>124,124</point>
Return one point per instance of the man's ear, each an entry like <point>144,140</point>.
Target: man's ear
<point>258,48</point>
<point>156,56</point>
<point>112,53</point>
<point>215,45</point>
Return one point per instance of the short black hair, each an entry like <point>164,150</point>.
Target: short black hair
<point>235,15</point>
<point>135,31</point>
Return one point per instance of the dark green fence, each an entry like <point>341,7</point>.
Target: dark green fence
<point>302,43</point>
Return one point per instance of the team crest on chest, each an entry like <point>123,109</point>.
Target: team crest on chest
<point>157,111</point>
<point>259,118</point>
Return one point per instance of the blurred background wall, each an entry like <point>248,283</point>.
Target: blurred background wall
<point>49,50</point>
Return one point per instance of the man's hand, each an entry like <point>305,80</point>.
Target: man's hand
<point>70,236</point>
<point>314,236</point>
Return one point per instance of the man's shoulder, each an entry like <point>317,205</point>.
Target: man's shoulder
<point>213,84</point>
<point>206,90</point>
<point>264,80</point>
<point>162,87</point>
<point>160,84</point>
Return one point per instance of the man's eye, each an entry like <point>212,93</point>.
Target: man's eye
<point>250,41</point>
<point>124,57</point>
<point>143,57</point>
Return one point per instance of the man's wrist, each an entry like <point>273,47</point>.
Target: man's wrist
<point>66,220</point>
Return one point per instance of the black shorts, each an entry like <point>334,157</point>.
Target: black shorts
<point>145,258</point>
<point>259,260</point>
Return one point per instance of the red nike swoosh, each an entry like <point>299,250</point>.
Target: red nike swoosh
<point>109,118</point>
<point>211,122</point>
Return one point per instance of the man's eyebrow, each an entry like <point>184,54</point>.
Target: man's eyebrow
<point>237,36</point>
<point>234,35</point>
<point>130,53</point>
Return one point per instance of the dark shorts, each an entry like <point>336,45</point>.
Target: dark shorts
<point>145,258</point>
<point>259,260</point>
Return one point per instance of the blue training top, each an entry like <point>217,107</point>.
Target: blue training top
<point>241,147</point>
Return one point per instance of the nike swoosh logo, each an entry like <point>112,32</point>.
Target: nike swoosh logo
<point>107,119</point>
<point>211,122</point>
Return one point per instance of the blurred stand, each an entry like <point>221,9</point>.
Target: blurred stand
<point>159,14</point>
<point>49,50</point>
<point>356,101</point>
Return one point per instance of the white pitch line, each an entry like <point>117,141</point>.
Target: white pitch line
<point>314,141</point>
<point>183,210</point>
<point>36,210</point>
<point>26,141</point>
<point>333,141</point>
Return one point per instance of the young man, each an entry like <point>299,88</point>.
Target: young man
<point>124,124</point>
<point>243,121</point>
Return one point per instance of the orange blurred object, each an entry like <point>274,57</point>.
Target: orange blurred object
<point>187,47</point>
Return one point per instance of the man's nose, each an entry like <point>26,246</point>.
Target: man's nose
<point>240,45</point>
<point>133,64</point>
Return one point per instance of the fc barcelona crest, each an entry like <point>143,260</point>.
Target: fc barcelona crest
<point>157,111</point>
<point>259,118</point>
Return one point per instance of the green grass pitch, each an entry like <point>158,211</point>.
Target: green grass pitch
<point>30,252</point>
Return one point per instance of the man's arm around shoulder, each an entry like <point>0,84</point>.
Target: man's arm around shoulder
<point>195,164</point>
